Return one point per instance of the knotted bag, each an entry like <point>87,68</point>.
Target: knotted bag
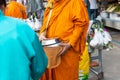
<point>52,53</point>
<point>52,49</point>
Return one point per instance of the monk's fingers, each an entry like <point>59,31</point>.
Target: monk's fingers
<point>62,52</point>
<point>42,38</point>
<point>62,44</point>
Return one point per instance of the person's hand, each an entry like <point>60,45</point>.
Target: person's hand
<point>66,46</point>
<point>42,36</point>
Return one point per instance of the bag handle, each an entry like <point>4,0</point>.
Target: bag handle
<point>49,15</point>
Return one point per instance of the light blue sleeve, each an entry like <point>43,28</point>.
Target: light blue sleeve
<point>39,61</point>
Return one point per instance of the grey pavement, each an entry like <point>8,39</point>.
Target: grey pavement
<point>111,59</point>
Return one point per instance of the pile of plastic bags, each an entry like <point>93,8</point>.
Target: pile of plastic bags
<point>34,23</point>
<point>99,37</point>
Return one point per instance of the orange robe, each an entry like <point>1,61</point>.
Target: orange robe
<point>69,22</point>
<point>15,9</point>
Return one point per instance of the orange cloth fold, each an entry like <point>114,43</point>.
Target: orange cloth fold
<point>63,28</point>
<point>15,9</point>
<point>69,22</point>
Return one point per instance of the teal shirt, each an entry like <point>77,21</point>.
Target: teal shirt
<point>21,54</point>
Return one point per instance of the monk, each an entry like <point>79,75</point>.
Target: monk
<point>15,9</point>
<point>69,22</point>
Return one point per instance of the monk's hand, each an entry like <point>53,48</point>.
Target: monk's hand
<point>42,36</point>
<point>66,47</point>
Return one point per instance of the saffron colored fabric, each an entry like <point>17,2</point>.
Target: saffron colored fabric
<point>69,22</point>
<point>15,9</point>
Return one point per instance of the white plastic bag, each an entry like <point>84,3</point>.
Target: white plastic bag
<point>97,39</point>
<point>37,24</point>
<point>34,23</point>
<point>107,37</point>
<point>30,23</point>
<point>101,38</point>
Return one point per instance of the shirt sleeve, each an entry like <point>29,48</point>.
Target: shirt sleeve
<point>80,20</point>
<point>39,61</point>
<point>38,58</point>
